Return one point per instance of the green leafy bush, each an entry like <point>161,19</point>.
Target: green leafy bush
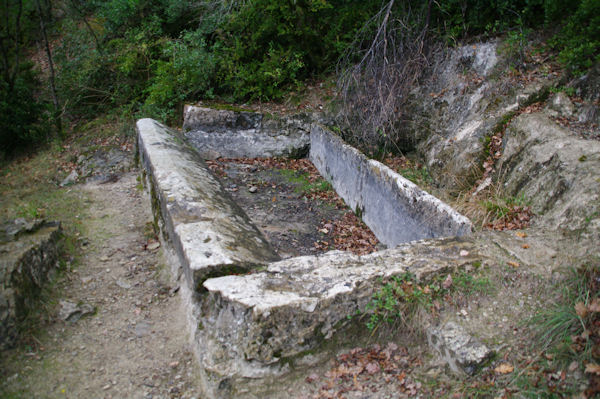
<point>174,15</point>
<point>22,116</point>
<point>185,74</point>
<point>268,46</point>
<point>149,56</point>
<point>579,40</point>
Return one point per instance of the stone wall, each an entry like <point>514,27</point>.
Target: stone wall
<point>241,134</point>
<point>209,231</point>
<point>28,254</point>
<point>393,207</point>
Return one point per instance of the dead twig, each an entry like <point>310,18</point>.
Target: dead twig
<point>375,80</point>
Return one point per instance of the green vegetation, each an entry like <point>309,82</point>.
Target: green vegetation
<point>468,284</point>
<point>501,207</point>
<point>417,174</point>
<point>399,298</point>
<point>579,40</point>
<point>147,57</point>
<point>572,315</point>
<point>303,182</point>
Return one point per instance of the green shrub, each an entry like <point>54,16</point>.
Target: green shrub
<point>151,55</point>
<point>579,40</point>
<point>174,15</point>
<point>93,80</point>
<point>186,74</point>
<point>268,47</point>
<point>22,115</point>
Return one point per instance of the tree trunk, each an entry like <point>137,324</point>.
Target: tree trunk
<point>57,110</point>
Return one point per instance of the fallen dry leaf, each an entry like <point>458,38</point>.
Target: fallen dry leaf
<point>581,309</point>
<point>521,234</point>
<point>525,246</point>
<point>573,366</point>
<point>447,282</point>
<point>372,368</point>
<point>504,368</point>
<point>592,368</point>
<point>594,306</point>
<point>513,264</point>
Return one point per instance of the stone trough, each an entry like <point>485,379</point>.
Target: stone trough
<point>255,318</point>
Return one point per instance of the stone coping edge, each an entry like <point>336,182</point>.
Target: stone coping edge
<point>210,233</point>
<point>395,209</point>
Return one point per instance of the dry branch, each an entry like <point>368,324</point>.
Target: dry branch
<point>376,79</point>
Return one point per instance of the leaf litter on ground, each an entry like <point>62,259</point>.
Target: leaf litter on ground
<point>349,233</point>
<point>358,370</point>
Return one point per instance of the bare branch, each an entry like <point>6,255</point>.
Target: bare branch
<point>57,117</point>
<point>374,90</point>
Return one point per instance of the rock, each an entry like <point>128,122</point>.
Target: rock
<point>589,113</point>
<point>259,325</point>
<point>72,312</point>
<point>142,329</point>
<point>28,255</point>
<point>462,352</point>
<point>123,284</point>
<point>106,165</point>
<point>153,246</point>
<point>253,189</point>
<point>10,231</point>
<point>241,134</point>
<point>448,116</point>
<point>588,85</point>
<point>70,179</point>
<point>562,104</point>
<point>557,172</point>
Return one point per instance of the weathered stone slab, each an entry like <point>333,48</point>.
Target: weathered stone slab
<point>261,325</point>
<point>556,171</point>
<point>239,134</point>
<point>393,207</point>
<point>460,101</point>
<point>461,351</point>
<point>210,233</point>
<point>28,253</point>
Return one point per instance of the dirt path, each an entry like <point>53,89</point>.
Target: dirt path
<point>136,344</point>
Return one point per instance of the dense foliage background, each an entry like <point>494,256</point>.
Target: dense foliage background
<point>146,57</point>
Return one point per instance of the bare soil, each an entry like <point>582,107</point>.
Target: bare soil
<point>135,346</point>
<point>291,204</point>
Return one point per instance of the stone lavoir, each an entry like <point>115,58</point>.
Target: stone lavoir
<point>255,318</point>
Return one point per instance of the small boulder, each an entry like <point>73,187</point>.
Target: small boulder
<point>461,351</point>
<point>562,104</point>
<point>28,254</point>
<point>71,179</point>
<point>589,113</point>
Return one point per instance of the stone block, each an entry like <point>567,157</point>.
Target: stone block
<point>262,325</point>
<point>239,134</point>
<point>394,208</point>
<point>462,352</point>
<point>209,231</point>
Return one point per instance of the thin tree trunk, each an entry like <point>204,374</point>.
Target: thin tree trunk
<point>57,116</point>
<point>17,44</point>
<point>12,76</point>
<point>87,24</point>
